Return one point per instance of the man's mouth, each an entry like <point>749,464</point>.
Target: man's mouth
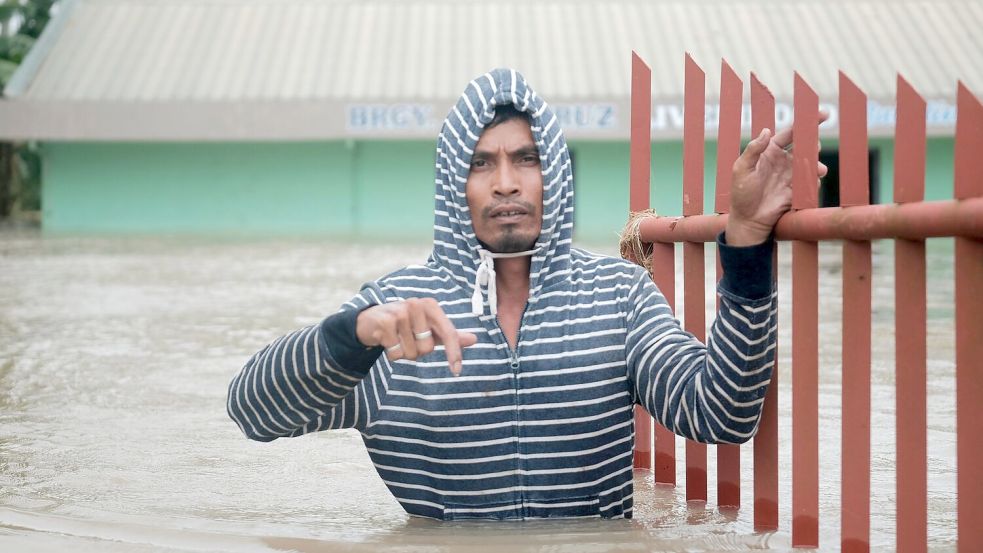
<point>508,213</point>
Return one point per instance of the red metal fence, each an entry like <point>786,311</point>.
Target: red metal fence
<point>908,221</point>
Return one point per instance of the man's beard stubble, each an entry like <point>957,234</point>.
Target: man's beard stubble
<point>511,240</point>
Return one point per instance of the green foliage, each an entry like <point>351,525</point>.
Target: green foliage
<point>35,14</point>
<point>8,8</point>
<point>29,164</point>
<point>7,69</point>
<point>21,23</point>
<point>15,48</point>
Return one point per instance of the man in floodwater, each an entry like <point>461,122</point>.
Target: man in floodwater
<point>498,379</point>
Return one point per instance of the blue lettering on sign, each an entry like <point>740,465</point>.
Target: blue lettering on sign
<point>880,116</point>
<point>586,116</point>
<point>390,117</point>
<point>938,113</point>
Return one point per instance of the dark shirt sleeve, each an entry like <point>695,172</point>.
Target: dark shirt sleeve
<point>310,379</point>
<point>747,269</point>
<point>339,331</point>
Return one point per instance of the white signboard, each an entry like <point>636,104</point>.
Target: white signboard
<point>605,119</point>
<point>938,114</point>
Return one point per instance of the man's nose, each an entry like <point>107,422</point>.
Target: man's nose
<point>506,182</point>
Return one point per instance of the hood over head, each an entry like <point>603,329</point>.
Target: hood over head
<point>455,246</point>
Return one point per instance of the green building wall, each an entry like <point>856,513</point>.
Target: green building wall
<point>341,188</point>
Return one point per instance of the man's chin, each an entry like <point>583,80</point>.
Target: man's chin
<point>510,243</point>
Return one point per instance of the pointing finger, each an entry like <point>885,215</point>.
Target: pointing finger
<point>447,335</point>
<point>467,339</point>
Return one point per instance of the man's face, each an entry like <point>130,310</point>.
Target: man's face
<point>505,188</point>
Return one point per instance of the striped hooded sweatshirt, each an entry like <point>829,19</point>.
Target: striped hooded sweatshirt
<point>545,429</point>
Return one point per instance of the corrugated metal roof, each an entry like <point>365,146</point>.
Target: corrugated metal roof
<point>176,52</point>
<point>221,50</point>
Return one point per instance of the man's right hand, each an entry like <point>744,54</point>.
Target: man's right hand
<point>411,329</point>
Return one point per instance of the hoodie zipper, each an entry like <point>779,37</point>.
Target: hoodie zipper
<point>513,353</point>
<point>514,365</point>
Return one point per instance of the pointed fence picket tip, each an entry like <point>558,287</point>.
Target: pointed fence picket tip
<point>854,155</point>
<point>969,143</point>
<point>910,144</point>
<point>640,166</point>
<point>728,133</point>
<point>762,106</point>
<point>694,134</point>
<point>805,151</point>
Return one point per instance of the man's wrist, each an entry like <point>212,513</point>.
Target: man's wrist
<point>341,338</point>
<point>361,337</point>
<point>742,233</point>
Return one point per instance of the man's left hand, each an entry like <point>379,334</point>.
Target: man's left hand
<point>761,190</point>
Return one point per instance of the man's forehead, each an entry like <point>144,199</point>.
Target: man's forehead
<point>512,135</point>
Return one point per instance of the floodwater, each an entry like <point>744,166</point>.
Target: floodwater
<point>115,354</point>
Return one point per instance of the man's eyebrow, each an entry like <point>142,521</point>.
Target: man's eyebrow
<point>526,150</point>
<point>519,152</point>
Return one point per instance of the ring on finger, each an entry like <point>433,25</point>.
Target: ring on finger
<point>394,349</point>
<point>422,335</point>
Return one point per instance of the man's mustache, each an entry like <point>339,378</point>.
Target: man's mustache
<point>528,207</point>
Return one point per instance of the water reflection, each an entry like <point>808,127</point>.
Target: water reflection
<point>115,354</point>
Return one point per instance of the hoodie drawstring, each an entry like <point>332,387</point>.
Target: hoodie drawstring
<point>485,276</point>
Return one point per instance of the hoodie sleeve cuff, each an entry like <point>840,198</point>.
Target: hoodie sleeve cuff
<point>339,333</point>
<point>747,269</point>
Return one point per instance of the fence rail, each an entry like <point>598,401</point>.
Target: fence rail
<point>908,222</point>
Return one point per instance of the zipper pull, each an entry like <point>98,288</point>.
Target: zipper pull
<point>515,361</point>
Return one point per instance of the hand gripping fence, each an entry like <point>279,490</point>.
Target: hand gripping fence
<point>908,222</point>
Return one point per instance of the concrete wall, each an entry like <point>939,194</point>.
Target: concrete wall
<point>373,189</point>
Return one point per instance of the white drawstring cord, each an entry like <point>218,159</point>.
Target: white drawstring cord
<point>485,276</point>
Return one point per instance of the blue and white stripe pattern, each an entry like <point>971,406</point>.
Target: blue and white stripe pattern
<point>546,430</point>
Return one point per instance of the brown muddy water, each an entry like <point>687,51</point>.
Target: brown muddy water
<point>115,354</point>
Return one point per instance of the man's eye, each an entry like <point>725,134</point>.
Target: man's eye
<point>478,163</point>
<point>530,159</point>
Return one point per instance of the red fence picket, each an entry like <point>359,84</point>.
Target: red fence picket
<point>855,191</point>
<point>694,270</point>
<point>640,182</point>
<point>766,441</point>
<point>969,326</point>
<point>908,221</point>
<point>805,317</point>
<point>728,150</point>
<point>910,313</point>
